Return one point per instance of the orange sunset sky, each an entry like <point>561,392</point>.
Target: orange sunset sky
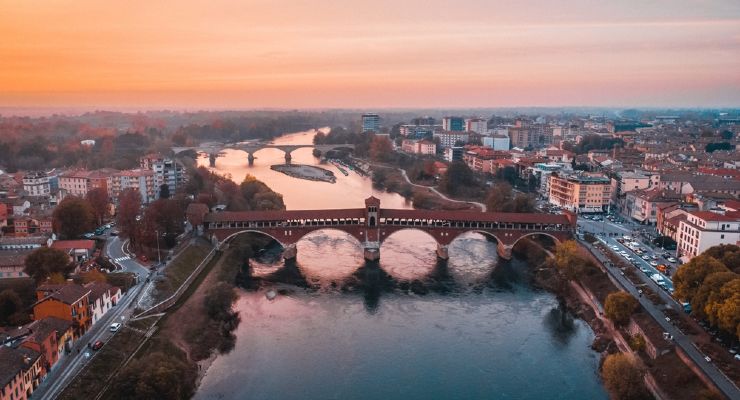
<point>313,54</point>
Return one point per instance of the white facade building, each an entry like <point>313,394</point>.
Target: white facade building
<point>704,229</point>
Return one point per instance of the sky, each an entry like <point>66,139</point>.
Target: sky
<point>369,54</point>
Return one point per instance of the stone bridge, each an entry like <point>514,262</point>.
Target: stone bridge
<point>372,225</point>
<point>251,147</point>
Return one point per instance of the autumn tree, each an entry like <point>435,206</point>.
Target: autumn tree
<point>99,203</point>
<point>73,217</point>
<point>619,307</point>
<point>381,148</point>
<point>568,260</point>
<point>711,285</point>
<point>218,300</point>
<point>93,276</point>
<point>156,375</point>
<point>45,261</point>
<point>164,191</point>
<point>623,377</point>
<point>501,198</point>
<point>129,204</point>
<point>690,276</point>
<point>11,308</point>
<point>459,178</point>
<point>723,307</point>
<point>259,196</point>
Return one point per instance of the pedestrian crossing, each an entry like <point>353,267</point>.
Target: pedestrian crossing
<point>119,259</point>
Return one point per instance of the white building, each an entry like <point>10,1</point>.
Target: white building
<point>450,138</point>
<point>704,229</point>
<point>497,142</point>
<point>423,147</point>
<point>103,297</point>
<point>477,125</point>
<point>37,184</point>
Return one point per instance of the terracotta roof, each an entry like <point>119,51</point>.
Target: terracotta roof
<point>43,328</point>
<point>98,289</point>
<point>13,258</point>
<point>527,218</point>
<point>68,293</point>
<point>14,361</point>
<point>73,244</point>
<point>712,216</point>
<point>282,215</point>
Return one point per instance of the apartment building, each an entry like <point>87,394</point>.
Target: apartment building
<point>704,229</point>
<point>580,192</point>
<point>449,139</point>
<point>37,183</point>
<point>167,171</point>
<point>423,147</point>
<point>139,179</point>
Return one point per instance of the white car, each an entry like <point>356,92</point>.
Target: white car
<point>654,263</point>
<point>115,326</point>
<point>671,259</point>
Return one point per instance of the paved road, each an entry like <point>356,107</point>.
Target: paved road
<point>438,193</point>
<point>68,367</point>
<point>724,384</point>
<point>114,249</point>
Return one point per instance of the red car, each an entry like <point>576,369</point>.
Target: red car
<point>97,345</point>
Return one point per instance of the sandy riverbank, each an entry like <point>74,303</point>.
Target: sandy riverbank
<point>308,172</point>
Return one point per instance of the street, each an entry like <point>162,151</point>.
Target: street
<point>724,384</point>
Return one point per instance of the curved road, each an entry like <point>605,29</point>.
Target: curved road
<point>438,193</point>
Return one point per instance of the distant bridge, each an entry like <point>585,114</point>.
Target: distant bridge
<point>251,147</point>
<point>372,225</point>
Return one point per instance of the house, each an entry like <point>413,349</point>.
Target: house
<point>103,296</point>
<point>704,229</point>
<point>50,336</point>
<point>78,250</point>
<point>21,371</point>
<point>642,205</point>
<point>70,302</point>
<point>13,263</point>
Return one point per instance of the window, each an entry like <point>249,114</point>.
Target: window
<point>721,236</point>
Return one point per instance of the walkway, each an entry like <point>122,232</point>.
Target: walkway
<point>723,383</point>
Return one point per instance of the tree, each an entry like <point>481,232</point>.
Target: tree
<point>499,198</point>
<point>568,260</point>
<point>711,285</point>
<point>619,307</point>
<point>43,262</point>
<point>156,376</point>
<point>723,307</point>
<point>11,308</point>
<point>99,202</point>
<point>73,217</point>
<point>381,148</point>
<point>129,203</point>
<point>623,377</point>
<point>93,276</point>
<point>690,276</point>
<point>458,177</point>
<point>218,301</point>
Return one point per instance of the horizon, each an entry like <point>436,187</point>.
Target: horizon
<point>370,55</point>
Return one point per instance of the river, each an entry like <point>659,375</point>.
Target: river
<point>476,329</point>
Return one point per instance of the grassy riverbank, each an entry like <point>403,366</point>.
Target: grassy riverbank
<point>421,198</point>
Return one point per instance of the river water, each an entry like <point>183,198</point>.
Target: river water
<point>473,328</point>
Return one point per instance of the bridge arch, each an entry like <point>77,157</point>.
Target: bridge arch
<point>235,234</point>
<point>551,236</point>
<point>410,229</point>
<point>355,240</point>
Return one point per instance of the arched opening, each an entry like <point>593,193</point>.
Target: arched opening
<point>473,257</point>
<point>408,254</point>
<point>328,255</point>
<point>535,247</point>
<point>261,249</point>
<point>371,221</point>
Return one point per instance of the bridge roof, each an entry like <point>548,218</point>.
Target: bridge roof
<point>527,218</point>
<point>280,215</point>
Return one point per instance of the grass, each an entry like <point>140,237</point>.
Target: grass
<point>180,268</point>
<point>94,376</point>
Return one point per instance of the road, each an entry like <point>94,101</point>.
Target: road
<point>114,248</point>
<point>724,384</point>
<point>438,193</point>
<point>67,368</point>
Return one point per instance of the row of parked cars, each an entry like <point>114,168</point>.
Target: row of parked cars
<point>652,259</point>
<point>101,230</point>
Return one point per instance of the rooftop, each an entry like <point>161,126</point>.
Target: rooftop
<point>14,361</point>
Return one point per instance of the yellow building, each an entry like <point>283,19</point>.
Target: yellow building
<point>580,192</point>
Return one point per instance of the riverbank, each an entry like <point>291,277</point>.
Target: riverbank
<point>307,172</point>
<point>421,197</point>
<point>666,373</point>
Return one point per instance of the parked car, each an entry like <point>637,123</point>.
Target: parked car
<point>97,345</point>
<point>115,326</point>
<point>671,260</point>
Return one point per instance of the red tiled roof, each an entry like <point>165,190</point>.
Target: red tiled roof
<point>712,216</point>
<point>73,244</point>
<point>283,215</point>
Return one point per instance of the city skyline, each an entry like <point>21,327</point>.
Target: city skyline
<point>475,54</point>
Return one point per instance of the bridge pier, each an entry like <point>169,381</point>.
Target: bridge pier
<point>288,157</point>
<point>442,252</point>
<point>371,253</point>
<point>212,160</point>
<point>504,251</point>
<point>250,159</point>
<point>290,252</point>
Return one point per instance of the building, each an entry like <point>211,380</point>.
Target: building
<point>139,179</point>
<point>423,147</point>
<point>51,336</point>
<point>370,122</point>
<point>166,172</point>
<point>477,125</point>
<point>704,229</point>
<point>37,184</point>
<point>74,182</point>
<point>451,138</point>
<point>628,181</point>
<point>70,302</point>
<point>497,142</point>
<point>78,250</point>
<point>580,192</point>
<point>454,153</point>
<point>520,137</point>
<point>21,371</point>
<point>103,297</point>
<point>643,205</point>
<point>453,124</point>
<point>13,263</point>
